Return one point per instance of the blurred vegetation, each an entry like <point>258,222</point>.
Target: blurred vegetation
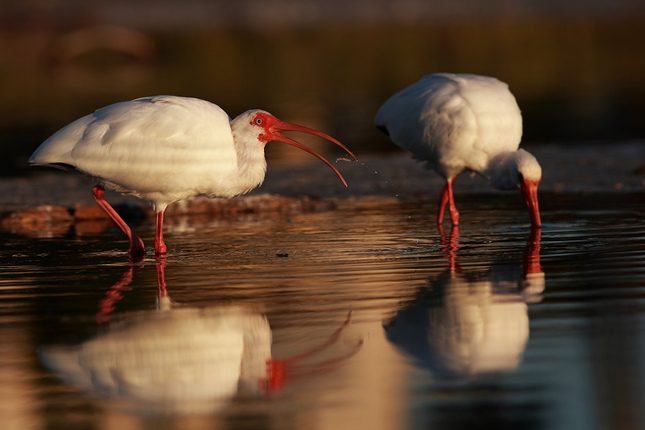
<point>575,79</point>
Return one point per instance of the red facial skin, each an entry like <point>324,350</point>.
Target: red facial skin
<point>273,126</point>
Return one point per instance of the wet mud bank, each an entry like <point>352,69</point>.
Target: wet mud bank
<point>50,203</point>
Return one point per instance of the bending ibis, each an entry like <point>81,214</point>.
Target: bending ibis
<point>163,149</point>
<point>463,122</point>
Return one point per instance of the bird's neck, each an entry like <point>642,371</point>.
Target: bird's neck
<point>507,170</point>
<point>251,169</point>
<point>502,171</point>
<point>249,151</point>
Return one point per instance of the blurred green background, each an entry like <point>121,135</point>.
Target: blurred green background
<point>576,68</point>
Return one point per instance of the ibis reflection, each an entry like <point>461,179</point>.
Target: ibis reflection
<point>464,326</point>
<point>180,360</point>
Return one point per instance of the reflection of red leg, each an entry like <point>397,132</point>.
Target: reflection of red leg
<point>161,277</point>
<point>451,243</point>
<point>160,246</point>
<point>447,197</point>
<point>114,294</point>
<point>137,249</point>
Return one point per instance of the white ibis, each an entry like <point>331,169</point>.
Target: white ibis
<point>463,122</point>
<point>184,360</point>
<point>178,359</point>
<point>174,360</point>
<point>467,325</point>
<point>163,149</point>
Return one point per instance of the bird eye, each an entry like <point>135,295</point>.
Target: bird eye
<point>258,121</point>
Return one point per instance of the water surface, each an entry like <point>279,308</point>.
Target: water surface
<point>377,320</point>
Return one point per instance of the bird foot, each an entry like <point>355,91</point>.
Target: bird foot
<point>160,249</point>
<point>137,250</point>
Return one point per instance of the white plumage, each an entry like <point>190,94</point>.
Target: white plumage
<point>159,149</point>
<point>457,122</point>
<point>163,149</point>
<point>471,324</point>
<point>183,360</point>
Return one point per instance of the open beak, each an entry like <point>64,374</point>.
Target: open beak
<point>287,126</point>
<point>529,191</point>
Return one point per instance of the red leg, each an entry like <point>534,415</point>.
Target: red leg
<point>160,246</point>
<point>137,249</point>
<point>447,197</point>
<point>454,213</point>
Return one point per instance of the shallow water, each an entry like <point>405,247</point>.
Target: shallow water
<point>378,320</point>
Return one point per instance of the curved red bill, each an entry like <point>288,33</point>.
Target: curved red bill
<point>286,126</point>
<point>529,191</point>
